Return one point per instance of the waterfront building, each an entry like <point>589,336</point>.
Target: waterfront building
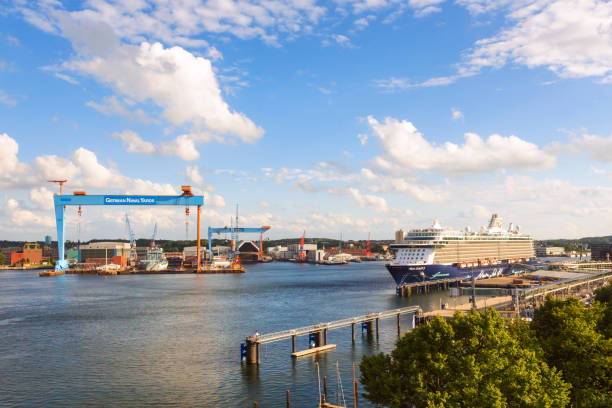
<point>550,251</point>
<point>399,236</point>
<point>31,253</point>
<point>601,252</point>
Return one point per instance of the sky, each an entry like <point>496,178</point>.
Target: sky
<point>334,117</point>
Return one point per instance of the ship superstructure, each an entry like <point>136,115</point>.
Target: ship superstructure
<point>155,260</point>
<point>439,253</point>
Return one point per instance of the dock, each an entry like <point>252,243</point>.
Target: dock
<point>417,288</point>
<point>318,333</point>
<point>313,350</point>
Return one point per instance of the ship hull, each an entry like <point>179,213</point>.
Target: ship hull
<point>425,273</point>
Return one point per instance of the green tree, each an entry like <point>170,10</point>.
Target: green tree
<point>604,294</point>
<point>571,341</point>
<point>470,360</point>
<point>2,259</point>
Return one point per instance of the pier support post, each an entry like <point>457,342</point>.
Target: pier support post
<point>293,344</point>
<point>325,337</point>
<point>288,399</point>
<point>252,351</point>
<point>257,351</point>
<point>369,327</point>
<point>377,327</point>
<point>353,332</point>
<point>399,330</point>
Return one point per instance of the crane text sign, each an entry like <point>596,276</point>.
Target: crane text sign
<point>130,200</point>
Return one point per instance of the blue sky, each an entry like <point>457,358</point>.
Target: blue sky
<point>344,116</point>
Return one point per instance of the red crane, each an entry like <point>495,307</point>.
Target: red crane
<point>367,251</point>
<point>60,182</point>
<point>302,256</point>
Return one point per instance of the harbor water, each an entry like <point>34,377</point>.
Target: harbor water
<point>174,340</point>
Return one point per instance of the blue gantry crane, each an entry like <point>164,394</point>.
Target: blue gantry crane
<point>234,230</point>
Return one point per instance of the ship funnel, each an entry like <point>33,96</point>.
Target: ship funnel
<point>496,221</point>
<point>511,227</point>
<point>436,224</point>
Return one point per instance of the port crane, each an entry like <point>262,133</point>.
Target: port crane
<point>367,251</point>
<point>154,235</point>
<point>302,255</point>
<point>233,231</point>
<point>133,255</point>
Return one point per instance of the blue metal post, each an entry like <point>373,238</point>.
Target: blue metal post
<point>61,264</point>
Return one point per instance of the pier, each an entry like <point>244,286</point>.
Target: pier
<point>417,288</point>
<point>318,333</point>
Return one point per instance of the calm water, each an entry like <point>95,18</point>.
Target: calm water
<point>174,340</point>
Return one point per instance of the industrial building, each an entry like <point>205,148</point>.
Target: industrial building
<point>292,251</point>
<point>30,254</point>
<point>105,252</point>
<point>601,252</point>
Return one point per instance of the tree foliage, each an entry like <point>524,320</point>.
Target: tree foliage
<point>572,340</point>
<point>468,361</point>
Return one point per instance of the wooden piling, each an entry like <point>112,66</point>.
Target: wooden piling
<point>293,344</point>
<point>324,385</point>
<point>355,393</point>
<point>325,337</point>
<point>288,399</point>
<point>353,333</point>
<point>257,352</point>
<point>399,331</point>
<point>377,327</point>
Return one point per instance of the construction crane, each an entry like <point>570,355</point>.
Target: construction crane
<point>302,255</point>
<point>233,230</point>
<point>367,251</point>
<point>133,255</point>
<point>154,235</point>
<point>60,182</point>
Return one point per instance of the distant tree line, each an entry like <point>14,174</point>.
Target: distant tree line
<point>563,358</point>
<point>575,244</point>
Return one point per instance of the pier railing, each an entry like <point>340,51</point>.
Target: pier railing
<point>300,331</point>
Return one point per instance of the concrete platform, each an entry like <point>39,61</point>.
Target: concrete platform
<point>313,350</point>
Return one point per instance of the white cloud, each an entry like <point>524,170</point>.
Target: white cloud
<point>113,106</point>
<point>182,22</point>
<point>363,138</point>
<point>54,167</point>
<point>8,154</point>
<point>7,100</point>
<point>134,143</point>
<point>182,147</point>
<point>20,217</point>
<point>456,114</point>
<point>42,197</point>
<point>338,39</point>
<point>600,148</point>
<point>404,145</point>
<point>182,84</point>
<point>214,200</point>
<point>369,200</point>
<point>193,175</point>
<point>214,54</point>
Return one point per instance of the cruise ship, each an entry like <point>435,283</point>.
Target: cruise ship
<point>437,253</point>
